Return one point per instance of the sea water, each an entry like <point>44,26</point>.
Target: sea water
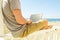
<point>53,19</point>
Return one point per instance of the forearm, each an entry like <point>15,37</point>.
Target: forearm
<point>18,16</point>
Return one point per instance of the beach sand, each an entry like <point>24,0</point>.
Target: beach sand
<point>54,23</point>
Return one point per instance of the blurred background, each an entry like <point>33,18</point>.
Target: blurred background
<point>48,9</point>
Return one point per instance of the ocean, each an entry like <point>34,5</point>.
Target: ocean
<point>53,19</point>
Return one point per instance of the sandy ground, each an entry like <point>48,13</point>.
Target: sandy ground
<point>54,23</point>
<point>1,38</point>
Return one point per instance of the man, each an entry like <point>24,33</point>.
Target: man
<point>16,23</point>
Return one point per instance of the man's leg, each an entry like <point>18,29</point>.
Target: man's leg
<point>35,27</point>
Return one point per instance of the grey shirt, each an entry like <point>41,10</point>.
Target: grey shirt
<point>9,19</point>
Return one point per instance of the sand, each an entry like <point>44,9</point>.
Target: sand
<point>54,23</point>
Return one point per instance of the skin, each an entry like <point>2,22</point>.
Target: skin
<point>19,18</point>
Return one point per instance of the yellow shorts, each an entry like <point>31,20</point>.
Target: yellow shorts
<point>34,27</point>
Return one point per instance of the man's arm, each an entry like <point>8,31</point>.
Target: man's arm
<point>16,10</point>
<point>18,16</point>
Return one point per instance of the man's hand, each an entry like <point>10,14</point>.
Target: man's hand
<point>29,22</point>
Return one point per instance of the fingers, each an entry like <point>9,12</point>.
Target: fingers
<point>29,22</point>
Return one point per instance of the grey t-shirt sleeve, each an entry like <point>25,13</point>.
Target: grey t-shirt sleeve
<point>15,4</point>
